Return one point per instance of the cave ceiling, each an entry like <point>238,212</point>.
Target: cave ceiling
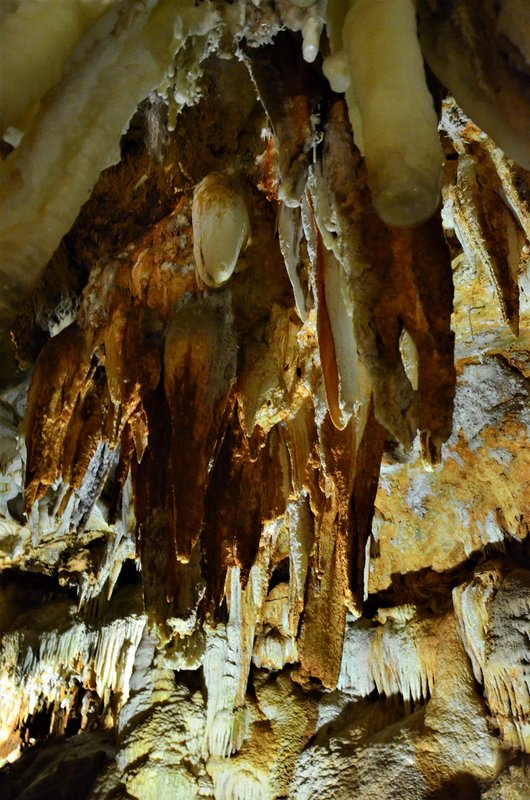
<point>265,399</point>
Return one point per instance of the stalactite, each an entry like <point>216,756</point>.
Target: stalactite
<point>277,421</point>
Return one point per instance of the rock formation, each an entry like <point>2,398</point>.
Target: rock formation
<point>265,409</point>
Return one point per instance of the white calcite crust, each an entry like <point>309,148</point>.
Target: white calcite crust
<point>399,125</point>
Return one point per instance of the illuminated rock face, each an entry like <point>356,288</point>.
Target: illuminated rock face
<point>264,494</point>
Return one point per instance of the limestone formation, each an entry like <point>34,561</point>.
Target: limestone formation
<point>265,399</point>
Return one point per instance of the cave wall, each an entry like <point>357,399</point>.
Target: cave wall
<point>265,411</point>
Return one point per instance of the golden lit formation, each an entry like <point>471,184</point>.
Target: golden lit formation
<point>265,409</point>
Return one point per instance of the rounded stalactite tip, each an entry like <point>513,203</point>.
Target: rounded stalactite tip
<point>221,226</point>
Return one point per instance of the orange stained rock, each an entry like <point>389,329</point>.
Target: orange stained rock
<point>61,378</point>
<point>199,373</point>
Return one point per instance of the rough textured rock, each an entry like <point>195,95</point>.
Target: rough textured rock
<point>264,416</point>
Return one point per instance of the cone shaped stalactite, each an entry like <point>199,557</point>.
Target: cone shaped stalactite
<point>194,389</point>
<point>199,372</point>
<point>275,437</point>
<point>398,279</point>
